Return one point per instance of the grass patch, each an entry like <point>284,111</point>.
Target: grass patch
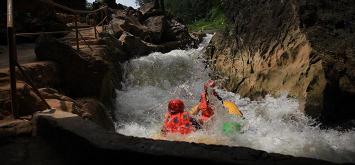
<point>214,21</point>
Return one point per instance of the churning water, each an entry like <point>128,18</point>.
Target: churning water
<point>272,124</point>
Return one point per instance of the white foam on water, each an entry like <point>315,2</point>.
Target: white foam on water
<point>272,124</point>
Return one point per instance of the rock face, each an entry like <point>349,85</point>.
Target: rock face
<point>305,48</point>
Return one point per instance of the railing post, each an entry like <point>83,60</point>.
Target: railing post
<point>103,23</point>
<point>76,33</point>
<point>95,30</point>
<point>34,88</point>
<point>12,57</point>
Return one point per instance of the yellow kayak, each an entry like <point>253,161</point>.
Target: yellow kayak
<point>232,108</point>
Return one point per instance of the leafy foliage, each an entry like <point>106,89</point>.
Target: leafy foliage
<point>215,20</point>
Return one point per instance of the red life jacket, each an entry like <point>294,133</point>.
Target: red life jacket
<point>178,123</point>
<point>204,106</point>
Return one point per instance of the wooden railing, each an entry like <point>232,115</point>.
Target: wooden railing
<point>13,63</point>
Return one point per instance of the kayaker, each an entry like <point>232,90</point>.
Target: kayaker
<point>177,120</point>
<point>204,105</point>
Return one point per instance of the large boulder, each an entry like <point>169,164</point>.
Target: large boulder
<point>156,26</point>
<point>49,93</point>
<point>82,74</point>
<point>95,111</point>
<point>300,47</point>
<point>42,74</point>
<point>87,108</point>
<point>149,10</point>
<point>176,31</point>
<point>122,25</point>
<point>149,29</point>
<point>28,101</point>
<point>133,45</point>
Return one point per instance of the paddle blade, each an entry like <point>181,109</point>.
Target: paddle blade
<point>232,108</point>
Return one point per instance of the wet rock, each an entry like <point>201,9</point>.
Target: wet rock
<point>303,48</point>
<point>198,36</point>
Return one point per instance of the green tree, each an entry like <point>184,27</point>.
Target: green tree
<point>189,10</point>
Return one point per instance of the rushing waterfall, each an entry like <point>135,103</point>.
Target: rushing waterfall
<point>271,124</point>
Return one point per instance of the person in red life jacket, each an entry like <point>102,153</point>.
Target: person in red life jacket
<point>204,105</point>
<point>177,120</point>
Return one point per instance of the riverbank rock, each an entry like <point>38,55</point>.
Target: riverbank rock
<point>303,48</point>
<point>27,101</point>
<point>43,74</point>
<point>87,108</point>
<point>95,111</point>
<point>151,30</point>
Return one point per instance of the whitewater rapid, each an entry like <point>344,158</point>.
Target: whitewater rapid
<point>272,124</point>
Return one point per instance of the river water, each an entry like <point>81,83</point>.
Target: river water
<point>272,124</point>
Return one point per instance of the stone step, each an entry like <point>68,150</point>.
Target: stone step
<point>9,127</point>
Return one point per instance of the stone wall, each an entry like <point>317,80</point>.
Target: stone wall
<point>304,48</point>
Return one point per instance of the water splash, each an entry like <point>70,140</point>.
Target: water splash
<point>272,124</point>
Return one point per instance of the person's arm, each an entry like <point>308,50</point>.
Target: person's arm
<point>218,97</point>
<point>195,109</point>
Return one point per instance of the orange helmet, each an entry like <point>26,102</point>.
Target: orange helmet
<point>209,84</point>
<point>176,106</point>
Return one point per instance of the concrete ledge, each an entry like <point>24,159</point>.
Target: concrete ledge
<point>15,127</point>
<point>84,142</point>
